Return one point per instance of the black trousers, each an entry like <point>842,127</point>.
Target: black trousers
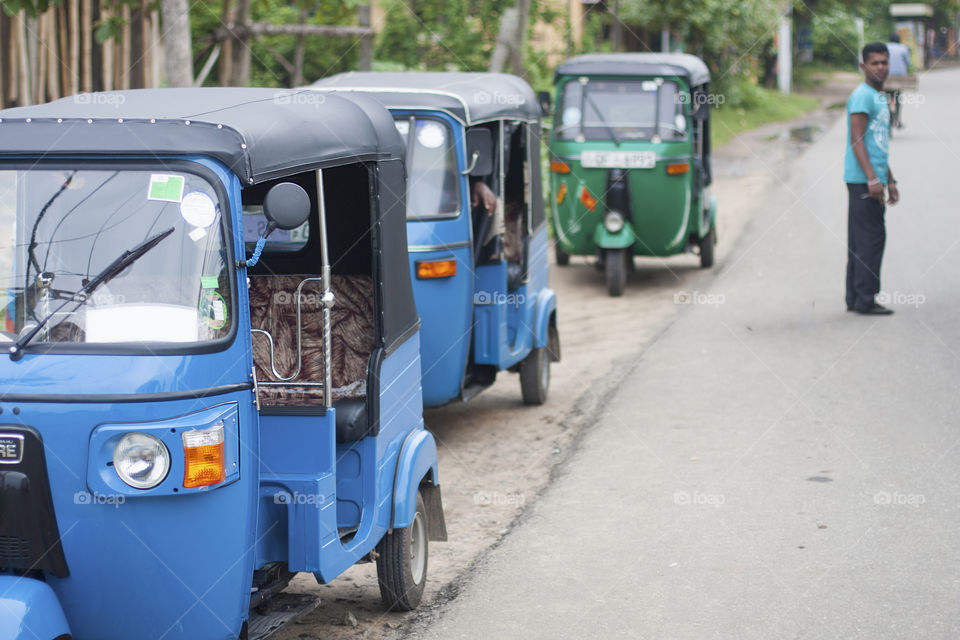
<point>866,237</point>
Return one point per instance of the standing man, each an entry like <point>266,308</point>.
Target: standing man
<point>868,175</point>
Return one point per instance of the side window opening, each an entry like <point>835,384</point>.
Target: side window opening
<point>288,277</point>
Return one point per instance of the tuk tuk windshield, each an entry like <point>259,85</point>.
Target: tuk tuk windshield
<point>63,230</point>
<point>433,184</point>
<point>621,110</point>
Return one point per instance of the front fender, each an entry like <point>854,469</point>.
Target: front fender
<point>603,239</point>
<point>546,306</point>
<point>418,459</point>
<point>30,609</point>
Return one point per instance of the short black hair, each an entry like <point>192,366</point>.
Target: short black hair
<point>895,37</point>
<point>874,47</point>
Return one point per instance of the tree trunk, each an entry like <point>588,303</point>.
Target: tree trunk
<point>178,58</point>
<point>508,27</point>
<point>366,42</point>
<point>53,57</point>
<point>156,52</point>
<point>86,37</point>
<point>63,65</point>
<point>23,90</point>
<point>511,40</point>
<point>38,36</point>
<point>297,79</point>
<point>616,27</point>
<point>240,49</point>
<point>226,49</point>
<point>73,8</point>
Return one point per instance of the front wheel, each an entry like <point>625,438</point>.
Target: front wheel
<point>535,376</point>
<point>563,258</point>
<point>402,563</point>
<point>707,244</point>
<point>615,269</point>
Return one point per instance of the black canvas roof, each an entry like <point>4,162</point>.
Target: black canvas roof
<point>469,97</point>
<point>259,134</point>
<point>639,64</point>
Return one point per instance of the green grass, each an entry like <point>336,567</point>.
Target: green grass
<point>752,107</point>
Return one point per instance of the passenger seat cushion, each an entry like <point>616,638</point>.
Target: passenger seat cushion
<point>273,309</point>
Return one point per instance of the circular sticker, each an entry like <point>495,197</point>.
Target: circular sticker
<point>431,135</point>
<point>198,209</point>
<point>213,309</point>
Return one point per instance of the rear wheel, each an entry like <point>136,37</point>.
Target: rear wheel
<point>535,376</point>
<point>563,258</point>
<point>706,248</point>
<point>402,563</point>
<point>615,269</point>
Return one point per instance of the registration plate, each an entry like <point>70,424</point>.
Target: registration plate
<point>618,159</point>
<point>11,448</point>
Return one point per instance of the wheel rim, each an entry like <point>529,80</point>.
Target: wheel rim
<point>418,548</point>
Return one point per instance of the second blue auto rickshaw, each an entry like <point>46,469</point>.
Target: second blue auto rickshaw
<point>476,227</point>
<point>211,377</point>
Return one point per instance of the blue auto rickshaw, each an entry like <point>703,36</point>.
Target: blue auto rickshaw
<point>212,368</point>
<point>479,272</point>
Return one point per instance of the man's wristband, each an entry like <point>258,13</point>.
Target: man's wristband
<point>873,181</point>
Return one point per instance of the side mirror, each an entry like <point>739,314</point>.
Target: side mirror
<point>699,108</point>
<point>543,97</point>
<point>286,206</point>
<point>479,152</point>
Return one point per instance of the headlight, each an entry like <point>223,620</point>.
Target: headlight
<point>141,460</point>
<point>613,222</point>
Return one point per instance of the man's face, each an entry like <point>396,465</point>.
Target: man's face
<point>876,67</point>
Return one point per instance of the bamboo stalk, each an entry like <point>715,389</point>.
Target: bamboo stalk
<point>40,57</point>
<point>86,38</point>
<point>53,57</point>
<point>125,61</point>
<point>64,31</point>
<point>23,91</point>
<point>155,49</point>
<point>109,55</point>
<point>74,46</point>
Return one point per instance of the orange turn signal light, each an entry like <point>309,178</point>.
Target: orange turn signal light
<point>204,457</point>
<point>678,168</point>
<point>588,200</point>
<point>559,167</point>
<point>561,192</point>
<point>436,269</point>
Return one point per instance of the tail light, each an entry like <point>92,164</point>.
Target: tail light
<point>429,269</point>
<point>204,459</point>
<point>588,200</point>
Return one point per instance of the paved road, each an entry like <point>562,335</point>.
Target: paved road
<point>772,467</point>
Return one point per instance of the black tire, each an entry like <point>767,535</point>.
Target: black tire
<point>706,248</point>
<point>563,258</point>
<point>398,566</point>
<point>535,376</point>
<point>615,269</point>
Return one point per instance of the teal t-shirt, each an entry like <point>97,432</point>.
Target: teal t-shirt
<point>866,99</point>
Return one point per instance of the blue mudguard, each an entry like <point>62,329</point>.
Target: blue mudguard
<point>546,307</point>
<point>30,609</point>
<point>418,458</point>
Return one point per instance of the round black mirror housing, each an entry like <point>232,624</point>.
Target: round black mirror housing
<point>286,205</point>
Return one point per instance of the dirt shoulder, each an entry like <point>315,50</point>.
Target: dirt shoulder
<point>497,455</point>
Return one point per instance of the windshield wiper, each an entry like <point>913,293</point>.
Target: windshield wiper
<point>112,270</point>
<point>613,134</point>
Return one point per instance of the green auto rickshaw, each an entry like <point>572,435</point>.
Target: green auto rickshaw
<point>630,160</point>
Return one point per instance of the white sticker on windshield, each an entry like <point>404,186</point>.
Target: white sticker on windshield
<point>165,187</point>
<point>198,209</point>
<point>431,135</point>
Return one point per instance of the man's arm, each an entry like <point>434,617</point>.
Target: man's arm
<point>892,187</point>
<point>858,128</point>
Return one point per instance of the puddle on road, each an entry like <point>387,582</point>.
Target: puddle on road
<point>804,134</point>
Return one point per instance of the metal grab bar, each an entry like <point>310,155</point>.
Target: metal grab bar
<point>327,301</point>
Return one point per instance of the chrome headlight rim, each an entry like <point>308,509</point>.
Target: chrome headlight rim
<point>614,222</point>
<point>147,449</point>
